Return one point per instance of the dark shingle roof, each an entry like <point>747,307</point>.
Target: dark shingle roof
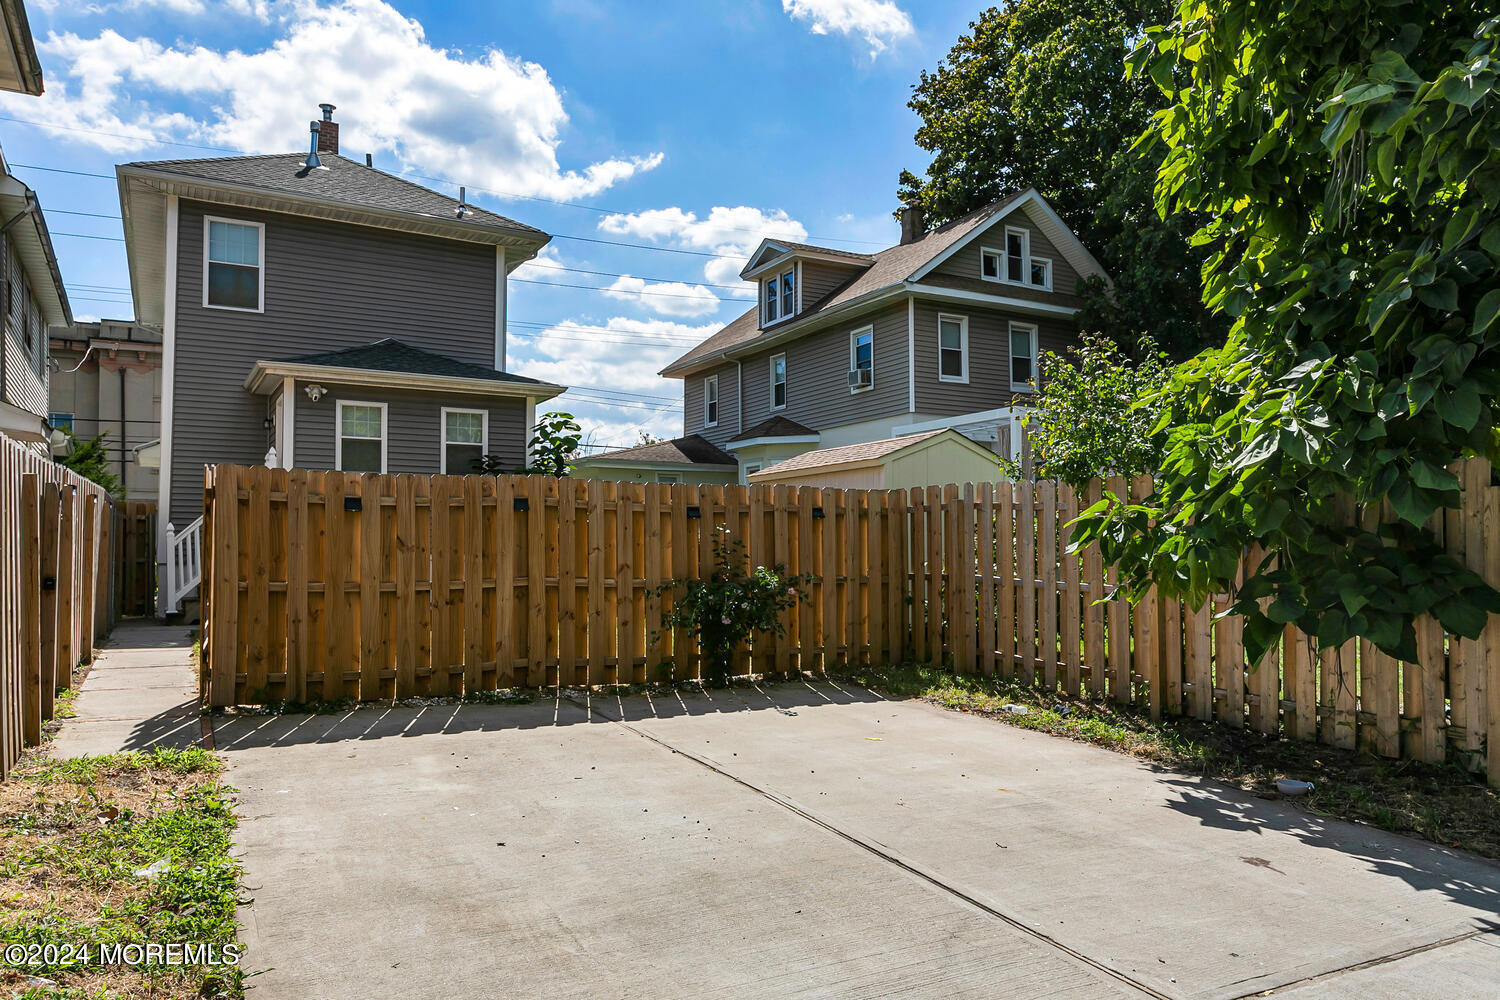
<point>775,427</point>
<point>889,267</point>
<point>390,355</point>
<point>344,180</point>
<point>853,256</point>
<point>691,450</point>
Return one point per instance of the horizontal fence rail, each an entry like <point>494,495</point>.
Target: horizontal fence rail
<point>332,586</point>
<point>57,571</point>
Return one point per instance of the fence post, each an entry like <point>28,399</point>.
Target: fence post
<point>31,613</point>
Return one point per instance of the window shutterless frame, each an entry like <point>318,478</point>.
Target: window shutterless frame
<point>484,436</point>
<point>778,381</point>
<point>862,341</point>
<point>1041,267</point>
<point>1028,331</point>
<point>950,322</point>
<point>339,437</point>
<point>711,401</point>
<point>781,296</point>
<point>260,265</point>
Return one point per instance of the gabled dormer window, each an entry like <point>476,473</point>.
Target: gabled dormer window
<point>779,296</point>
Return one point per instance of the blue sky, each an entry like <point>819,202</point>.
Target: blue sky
<point>688,126</point>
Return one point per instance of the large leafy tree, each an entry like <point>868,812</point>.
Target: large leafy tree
<point>1036,95</point>
<point>1347,156</point>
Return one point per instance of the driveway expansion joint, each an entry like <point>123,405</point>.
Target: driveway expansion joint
<point>872,847</point>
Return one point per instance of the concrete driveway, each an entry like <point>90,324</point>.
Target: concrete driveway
<point>809,841</point>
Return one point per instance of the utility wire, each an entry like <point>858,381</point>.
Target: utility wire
<point>435,180</point>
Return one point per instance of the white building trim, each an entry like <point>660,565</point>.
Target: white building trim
<point>168,391</point>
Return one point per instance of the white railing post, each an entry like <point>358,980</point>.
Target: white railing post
<point>184,569</point>
<point>169,587</point>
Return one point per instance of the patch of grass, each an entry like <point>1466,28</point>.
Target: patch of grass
<point>118,850</point>
<point>1440,803</point>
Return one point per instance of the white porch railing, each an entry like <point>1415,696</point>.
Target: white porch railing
<point>184,563</point>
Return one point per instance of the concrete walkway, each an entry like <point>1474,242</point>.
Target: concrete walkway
<point>804,840</point>
<point>141,691</point>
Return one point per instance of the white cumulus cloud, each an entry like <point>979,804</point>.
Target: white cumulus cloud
<point>879,22</point>
<point>491,120</point>
<point>612,366</point>
<point>668,298</point>
<point>730,232</point>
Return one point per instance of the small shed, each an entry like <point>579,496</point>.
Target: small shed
<point>931,458</point>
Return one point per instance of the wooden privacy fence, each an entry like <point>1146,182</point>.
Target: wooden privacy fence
<point>135,557</point>
<point>56,585</point>
<point>329,585</point>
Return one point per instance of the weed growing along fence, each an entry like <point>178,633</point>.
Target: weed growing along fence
<point>330,585</point>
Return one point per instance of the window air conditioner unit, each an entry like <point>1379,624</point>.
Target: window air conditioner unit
<point>860,378</point>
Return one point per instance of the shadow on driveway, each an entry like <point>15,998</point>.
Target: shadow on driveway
<point>550,707</point>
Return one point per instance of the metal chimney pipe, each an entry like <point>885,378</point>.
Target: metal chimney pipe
<point>312,162</point>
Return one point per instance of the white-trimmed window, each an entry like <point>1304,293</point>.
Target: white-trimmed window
<point>1023,349</point>
<point>861,359</point>
<point>711,401</point>
<point>953,348</point>
<point>1017,250</point>
<point>234,258</point>
<point>668,478</point>
<point>466,438</point>
<point>991,264</point>
<point>1041,273</point>
<point>779,297</point>
<point>751,470</point>
<point>361,436</point>
<point>778,381</point>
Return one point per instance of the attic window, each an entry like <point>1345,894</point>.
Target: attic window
<point>233,259</point>
<point>779,296</point>
<point>1041,273</point>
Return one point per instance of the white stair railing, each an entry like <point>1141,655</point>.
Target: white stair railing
<point>184,562</point>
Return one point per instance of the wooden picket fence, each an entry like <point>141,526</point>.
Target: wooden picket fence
<point>56,587</point>
<point>331,586</point>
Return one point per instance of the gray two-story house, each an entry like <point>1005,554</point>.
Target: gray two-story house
<point>33,298</point>
<point>319,313</point>
<point>940,331</point>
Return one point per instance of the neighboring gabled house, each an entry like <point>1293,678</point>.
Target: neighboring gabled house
<point>942,330</point>
<point>33,299</point>
<point>319,313</point>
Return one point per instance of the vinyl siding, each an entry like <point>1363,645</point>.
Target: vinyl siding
<point>413,432</point>
<point>817,367</point>
<point>328,286</point>
<point>25,386</point>
<point>989,357</point>
<point>962,270</point>
<point>819,279</point>
<point>729,408</point>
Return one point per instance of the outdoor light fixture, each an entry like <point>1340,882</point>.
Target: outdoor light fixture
<point>315,392</point>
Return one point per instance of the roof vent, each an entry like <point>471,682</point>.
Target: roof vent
<point>312,162</point>
<point>463,207</point>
